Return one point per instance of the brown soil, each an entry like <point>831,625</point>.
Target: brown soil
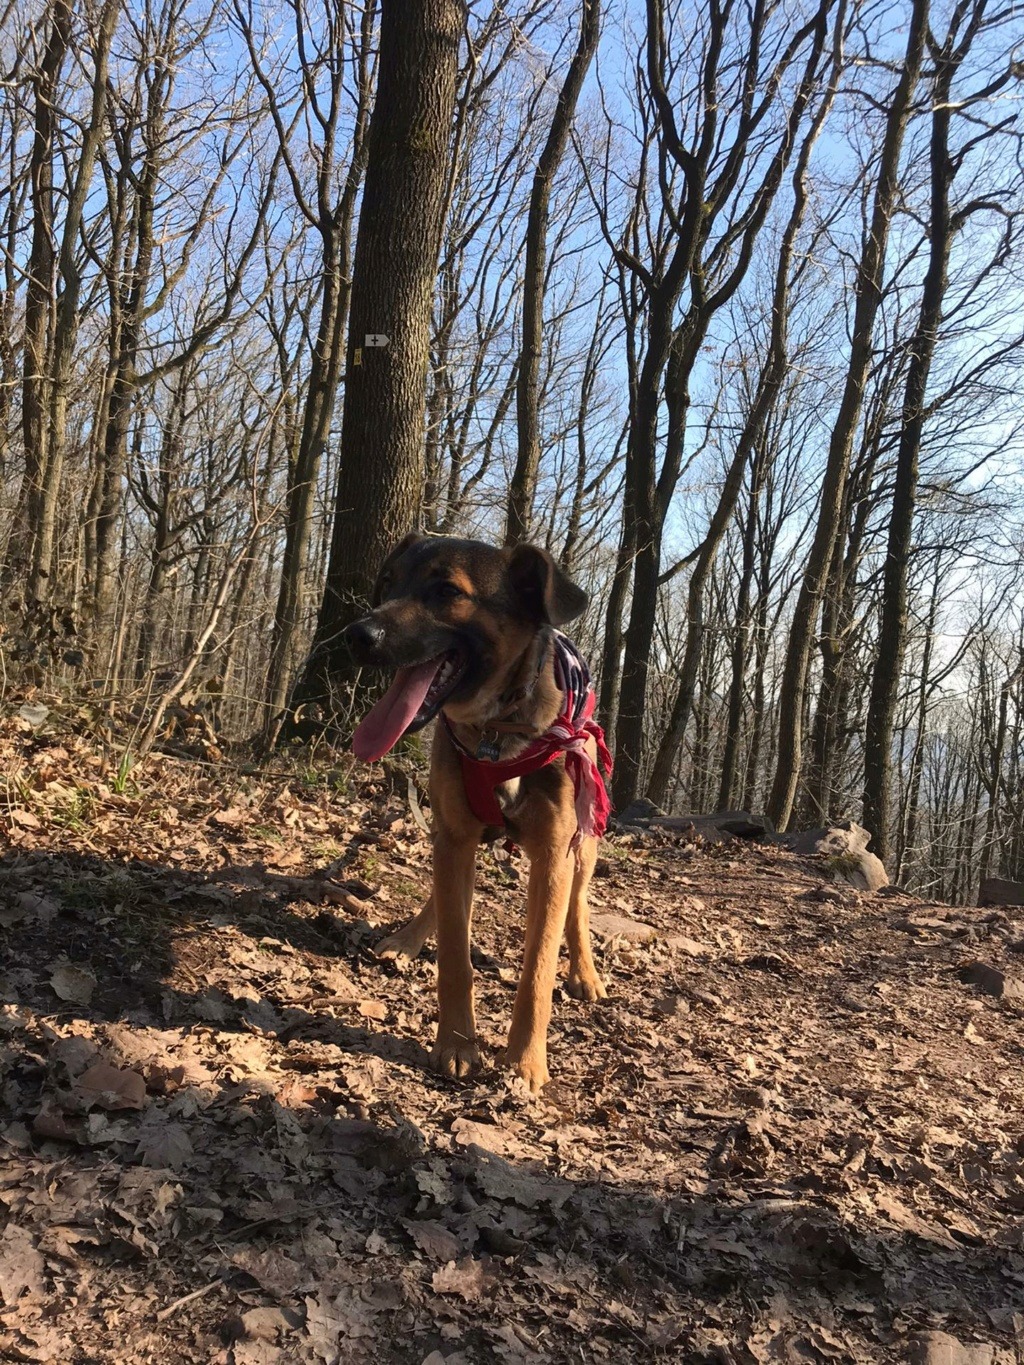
<point>792,1132</point>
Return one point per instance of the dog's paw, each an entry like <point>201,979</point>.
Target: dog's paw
<point>403,943</point>
<point>582,987</point>
<point>456,1057</point>
<point>532,1067</point>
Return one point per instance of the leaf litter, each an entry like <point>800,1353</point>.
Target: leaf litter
<point>792,1132</point>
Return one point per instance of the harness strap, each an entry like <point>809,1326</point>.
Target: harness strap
<point>567,736</point>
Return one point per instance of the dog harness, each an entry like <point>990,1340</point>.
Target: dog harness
<point>568,735</point>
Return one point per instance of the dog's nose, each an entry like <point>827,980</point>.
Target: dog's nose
<point>363,637</point>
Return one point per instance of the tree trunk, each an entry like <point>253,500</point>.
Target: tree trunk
<point>991,778</point>
<point>642,534</point>
<point>653,492</point>
<point>524,476</point>
<point>615,614</point>
<point>832,727</point>
<point>380,481</point>
<point>165,534</point>
<point>128,298</point>
<point>769,384</point>
<point>335,226</point>
<point>39,300</point>
<point>729,785</point>
<point>892,630</point>
<point>321,389</point>
<point>868,292</point>
<point>63,340</point>
<point>12,228</point>
<point>911,805</point>
<point>758,705</point>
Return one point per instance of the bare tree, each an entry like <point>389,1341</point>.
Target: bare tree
<point>380,483</point>
<point>769,386</point>
<point>715,194</point>
<point>967,25</point>
<point>524,476</point>
<point>336,66</point>
<point>54,284</point>
<point>867,291</point>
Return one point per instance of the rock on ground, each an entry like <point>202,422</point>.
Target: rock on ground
<point>996,891</point>
<point>844,849</point>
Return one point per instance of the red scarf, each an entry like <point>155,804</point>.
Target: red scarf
<point>568,735</point>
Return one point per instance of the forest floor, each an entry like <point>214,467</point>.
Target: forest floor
<point>791,1133</point>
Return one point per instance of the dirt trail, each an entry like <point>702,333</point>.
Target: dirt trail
<point>792,1133</point>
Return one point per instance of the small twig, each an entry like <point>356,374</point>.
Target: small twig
<point>172,1308</point>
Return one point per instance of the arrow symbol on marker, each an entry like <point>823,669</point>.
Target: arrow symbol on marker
<point>377,339</point>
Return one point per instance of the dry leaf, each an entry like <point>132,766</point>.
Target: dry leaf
<point>232,818</point>
<point>469,1278</point>
<point>939,1348</point>
<point>164,1145</point>
<point>294,1093</point>
<point>362,1078</point>
<point>14,1017</point>
<point>110,1088</point>
<point>433,1237</point>
<point>24,819</point>
<point>912,1222</point>
<point>500,1180</point>
<point>52,1122</point>
<point>34,714</point>
<point>21,1265</point>
<point>258,1352</point>
<point>270,1322</point>
<point>28,905</point>
<point>273,1271</point>
<point>72,983</point>
<point>213,1006</point>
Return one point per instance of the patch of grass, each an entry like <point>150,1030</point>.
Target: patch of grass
<point>120,887</point>
<point>842,863</point>
<point>117,887</point>
<point>619,852</point>
<point>413,747</point>
<point>370,869</point>
<point>270,833</point>
<point>340,781</point>
<point>326,852</point>
<point>122,783</point>
<point>74,812</point>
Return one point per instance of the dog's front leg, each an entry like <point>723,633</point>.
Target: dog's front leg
<point>456,1052</point>
<point>583,981</point>
<point>547,900</point>
<point>409,940</point>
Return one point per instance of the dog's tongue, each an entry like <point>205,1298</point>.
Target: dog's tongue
<point>388,721</point>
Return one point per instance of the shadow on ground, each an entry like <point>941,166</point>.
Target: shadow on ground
<point>266,1170</point>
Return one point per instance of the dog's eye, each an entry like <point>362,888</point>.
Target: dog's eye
<point>447,592</point>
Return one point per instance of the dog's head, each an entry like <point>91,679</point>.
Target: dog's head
<point>453,616</point>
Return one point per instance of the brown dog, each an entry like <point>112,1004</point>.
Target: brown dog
<point>470,629</point>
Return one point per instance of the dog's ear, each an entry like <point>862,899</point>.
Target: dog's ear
<point>386,567</point>
<point>541,587</point>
